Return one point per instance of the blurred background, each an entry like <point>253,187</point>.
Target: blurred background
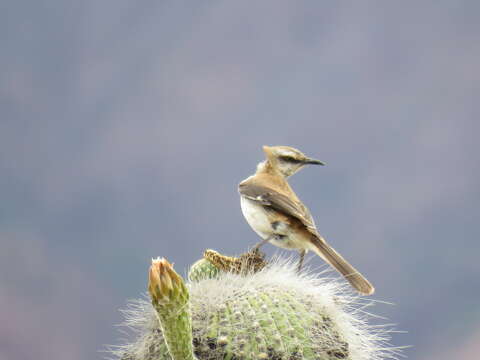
<point>126,126</point>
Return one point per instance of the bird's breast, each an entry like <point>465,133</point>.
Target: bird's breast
<point>261,221</point>
<point>256,216</point>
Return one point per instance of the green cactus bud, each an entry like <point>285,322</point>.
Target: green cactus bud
<point>254,312</point>
<point>202,269</point>
<point>170,300</point>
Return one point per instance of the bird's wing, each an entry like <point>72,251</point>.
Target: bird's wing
<point>280,202</point>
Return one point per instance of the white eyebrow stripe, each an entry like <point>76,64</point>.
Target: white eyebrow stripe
<point>288,153</point>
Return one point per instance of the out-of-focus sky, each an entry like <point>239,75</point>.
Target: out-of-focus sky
<point>126,126</point>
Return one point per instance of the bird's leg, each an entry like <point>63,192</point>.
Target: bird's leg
<point>300,260</point>
<point>261,243</point>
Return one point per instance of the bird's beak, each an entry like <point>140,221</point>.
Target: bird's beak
<point>313,162</point>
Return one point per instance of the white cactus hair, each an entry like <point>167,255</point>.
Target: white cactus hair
<point>139,322</point>
<point>346,310</point>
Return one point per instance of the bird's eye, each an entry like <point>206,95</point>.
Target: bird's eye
<point>290,159</point>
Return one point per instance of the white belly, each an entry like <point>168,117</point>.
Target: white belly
<point>260,222</point>
<point>256,217</point>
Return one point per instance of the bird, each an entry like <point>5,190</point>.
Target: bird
<point>276,214</point>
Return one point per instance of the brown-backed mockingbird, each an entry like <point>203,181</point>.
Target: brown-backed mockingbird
<point>278,216</point>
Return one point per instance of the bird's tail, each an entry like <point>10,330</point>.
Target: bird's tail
<point>327,253</point>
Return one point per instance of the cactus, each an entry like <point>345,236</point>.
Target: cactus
<point>170,300</point>
<point>244,308</point>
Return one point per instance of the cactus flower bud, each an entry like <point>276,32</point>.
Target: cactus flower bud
<point>169,297</point>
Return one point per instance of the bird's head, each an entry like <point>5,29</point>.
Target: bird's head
<point>288,160</point>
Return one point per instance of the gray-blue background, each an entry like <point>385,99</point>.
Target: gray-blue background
<point>125,127</point>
